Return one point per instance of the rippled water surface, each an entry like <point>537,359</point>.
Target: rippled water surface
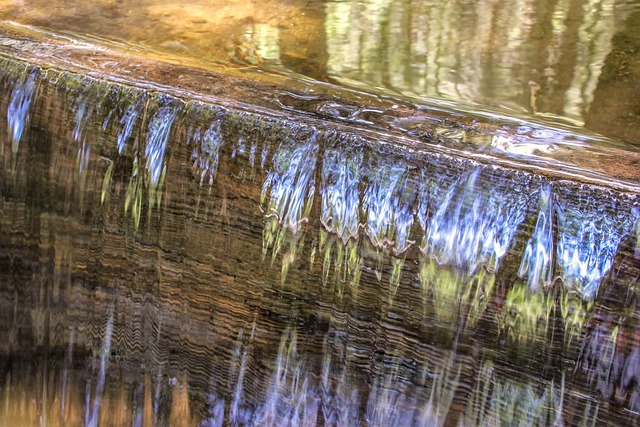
<point>554,61</point>
<point>172,263</point>
<point>166,261</point>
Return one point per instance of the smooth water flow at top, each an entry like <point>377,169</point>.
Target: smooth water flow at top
<point>571,62</point>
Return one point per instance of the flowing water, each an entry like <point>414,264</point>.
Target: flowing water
<point>572,62</point>
<point>170,261</point>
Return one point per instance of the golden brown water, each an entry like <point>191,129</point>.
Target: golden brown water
<point>168,261</point>
<point>172,263</point>
<point>554,61</point>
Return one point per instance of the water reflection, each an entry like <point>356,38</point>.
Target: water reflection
<point>92,406</point>
<point>590,232</point>
<point>474,223</point>
<point>403,287</point>
<point>206,152</point>
<point>341,177</point>
<point>537,260</point>
<point>469,51</point>
<point>544,58</point>
<point>386,204</point>
<point>511,402</point>
<point>468,221</point>
<point>18,110</point>
<point>568,61</point>
<point>290,185</point>
<point>128,121</point>
<point>156,146</point>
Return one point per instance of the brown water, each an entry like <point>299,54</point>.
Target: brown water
<point>172,263</point>
<point>165,261</point>
<point>570,62</point>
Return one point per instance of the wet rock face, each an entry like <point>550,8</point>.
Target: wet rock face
<point>205,263</point>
